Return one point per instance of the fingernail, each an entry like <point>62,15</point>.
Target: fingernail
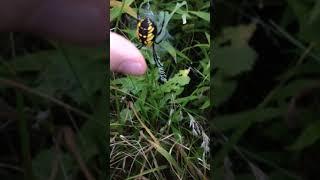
<point>134,68</point>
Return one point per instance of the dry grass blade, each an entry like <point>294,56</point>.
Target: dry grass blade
<point>72,147</point>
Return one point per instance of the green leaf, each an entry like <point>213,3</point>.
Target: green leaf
<point>239,35</point>
<point>205,105</point>
<point>292,89</point>
<point>300,8</point>
<point>183,56</point>
<point>143,173</point>
<point>176,83</point>
<point>222,89</point>
<point>115,13</point>
<point>308,15</point>
<point>238,57</point>
<point>203,15</point>
<point>234,60</point>
<point>130,84</point>
<point>34,61</point>
<point>167,156</point>
<point>208,37</point>
<point>232,121</point>
<point>309,136</point>
<point>119,7</point>
<point>167,17</point>
<point>177,134</point>
<point>170,49</point>
<point>315,13</point>
<point>76,72</point>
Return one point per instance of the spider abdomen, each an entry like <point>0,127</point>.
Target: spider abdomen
<point>146,31</point>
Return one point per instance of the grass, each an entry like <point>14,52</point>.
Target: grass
<point>158,131</point>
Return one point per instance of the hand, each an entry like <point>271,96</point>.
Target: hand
<point>75,21</point>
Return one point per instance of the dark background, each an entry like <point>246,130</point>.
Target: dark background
<point>265,89</point>
<point>52,109</point>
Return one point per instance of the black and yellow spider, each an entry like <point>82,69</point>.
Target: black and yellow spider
<point>147,33</point>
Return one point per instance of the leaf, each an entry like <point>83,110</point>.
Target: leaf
<point>238,57</point>
<point>167,17</point>
<point>115,13</point>
<point>167,156</point>
<point>177,134</point>
<point>141,174</point>
<point>170,49</point>
<point>309,19</point>
<point>292,89</point>
<point>119,7</point>
<point>234,60</point>
<point>205,105</point>
<point>76,74</point>
<point>176,83</point>
<point>309,136</point>
<point>177,7</point>
<point>183,56</point>
<point>239,35</point>
<point>203,15</point>
<point>208,37</point>
<point>132,85</point>
<point>300,8</point>
<point>221,89</point>
<point>34,61</point>
<point>231,121</point>
<point>307,68</point>
<point>315,13</point>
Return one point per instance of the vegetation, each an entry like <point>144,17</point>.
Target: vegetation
<point>159,131</point>
<point>262,115</point>
<point>266,69</point>
<point>52,111</point>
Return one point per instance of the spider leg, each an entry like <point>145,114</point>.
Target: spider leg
<point>155,42</point>
<point>162,24</point>
<point>155,56</point>
<point>162,73</point>
<point>164,18</point>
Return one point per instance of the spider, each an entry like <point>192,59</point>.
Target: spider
<point>147,34</point>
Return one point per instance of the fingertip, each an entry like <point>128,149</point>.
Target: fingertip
<point>132,67</point>
<point>125,57</point>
